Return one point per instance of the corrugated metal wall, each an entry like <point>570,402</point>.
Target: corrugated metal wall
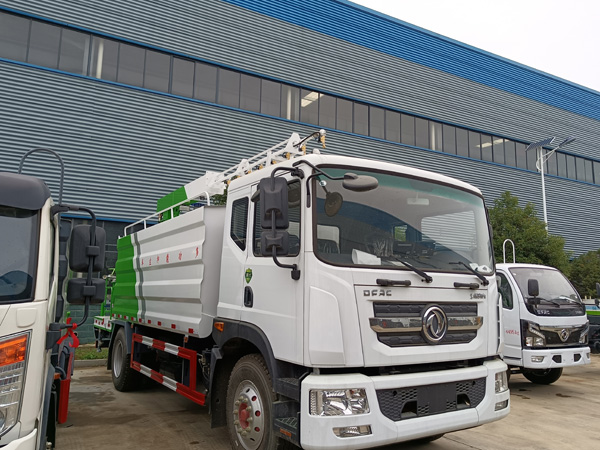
<point>224,33</point>
<point>124,148</point>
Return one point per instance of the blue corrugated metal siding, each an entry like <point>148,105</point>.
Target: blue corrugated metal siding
<point>361,26</point>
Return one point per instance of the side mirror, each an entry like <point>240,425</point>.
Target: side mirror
<point>274,203</point>
<point>78,291</point>
<point>80,249</point>
<point>533,288</point>
<point>274,239</point>
<point>359,183</point>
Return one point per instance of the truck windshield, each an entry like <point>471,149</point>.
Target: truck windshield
<point>430,226</point>
<point>556,295</point>
<point>18,237</point>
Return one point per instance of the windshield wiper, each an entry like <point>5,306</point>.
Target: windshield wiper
<point>542,299</point>
<point>427,278</point>
<point>473,271</point>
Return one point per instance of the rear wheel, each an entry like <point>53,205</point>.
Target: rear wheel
<point>543,376</point>
<point>124,377</point>
<point>248,406</point>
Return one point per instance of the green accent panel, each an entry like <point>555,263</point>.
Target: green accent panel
<point>124,300</point>
<point>169,200</point>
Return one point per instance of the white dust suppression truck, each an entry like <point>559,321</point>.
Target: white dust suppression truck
<point>545,323</point>
<point>36,345</point>
<point>333,302</point>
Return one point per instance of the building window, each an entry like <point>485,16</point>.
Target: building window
<point>571,172</point>
<point>589,172</point>
<point>435,135</point>
<point>486,148</point>
<point>510,153</point>
<point>105,59</point>
<point>327,111</point>
<point>156,71</point>
<point>521,155</point>
<point>407,129</point>
<point>250,93</point>
<point>14,37</point>
<point>270,98</point>
<point>131,65</point>
<point>474,145</point>
<point>44,43</point>
<point>421,133</point>
<point>344,115</point>
<point>551,165</point>
<point>392,126</point>
<point>449,139</point>
<point>205,82</point>
<point>498,150</point>
<point>309,106</point>
<point>290,102</point>
<point>462,142</point>
<point>182,77</point>
<point>361,119</point>
<point>377,122</point>
<point>74,52</point>
<point>228,88</point>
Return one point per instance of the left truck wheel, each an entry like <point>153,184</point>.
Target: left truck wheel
<point>124,377</point>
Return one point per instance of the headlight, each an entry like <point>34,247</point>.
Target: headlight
<point>13,353</point>
<point>338,402</point>
<point>533,335</point>
<point>583,337</point>
<point>501,382</point>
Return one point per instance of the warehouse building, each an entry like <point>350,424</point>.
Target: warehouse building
<point>140,99</point>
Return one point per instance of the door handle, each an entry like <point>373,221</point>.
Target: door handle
<point>248,297</point>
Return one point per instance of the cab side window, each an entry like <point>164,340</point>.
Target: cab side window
<point>239,222</point>
<point>294,189</point>
<point>505,291</point>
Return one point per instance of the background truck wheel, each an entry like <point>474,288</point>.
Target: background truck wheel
<point>248,406</point>
<point>543,376</point>
<point>124,377</point>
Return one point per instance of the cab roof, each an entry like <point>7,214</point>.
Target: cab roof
<point>23,191</point>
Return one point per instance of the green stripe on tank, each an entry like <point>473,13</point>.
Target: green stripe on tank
<point>123,299</point>
<point>169,200</point>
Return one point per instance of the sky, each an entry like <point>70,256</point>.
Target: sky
<point>559,37</point>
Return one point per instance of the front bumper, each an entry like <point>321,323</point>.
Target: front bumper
<point>317,431</point>
<point>28,442</point>
<point>558,357</point>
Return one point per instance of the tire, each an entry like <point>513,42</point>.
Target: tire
<point>250,396</point>
<point>125,379</point>
<point>543,376</point>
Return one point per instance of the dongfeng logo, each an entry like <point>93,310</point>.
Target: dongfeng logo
<point>435,324</point>
<point>564,334</point>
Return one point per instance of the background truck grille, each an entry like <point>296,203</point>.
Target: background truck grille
<point>420,401</point>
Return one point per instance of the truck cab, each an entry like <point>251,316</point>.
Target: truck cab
<point>545,322</point>
<point>36,356</point>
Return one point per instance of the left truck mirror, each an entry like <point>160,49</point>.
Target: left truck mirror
<point>81,249</point>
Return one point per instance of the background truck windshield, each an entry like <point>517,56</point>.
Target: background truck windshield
<point>556,297</point>
<point>430,226</point>
<point>18,236</point>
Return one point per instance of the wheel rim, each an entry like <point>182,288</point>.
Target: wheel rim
<point>118,359</point>
<point>248,416</point>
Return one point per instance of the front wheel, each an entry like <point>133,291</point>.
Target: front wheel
<point>543,376</point>
<point>248,407</point>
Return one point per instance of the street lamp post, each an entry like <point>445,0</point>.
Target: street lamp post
<point>542,158</point>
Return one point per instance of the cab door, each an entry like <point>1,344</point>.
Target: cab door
<point>272,299</point>
<point>511,320</point>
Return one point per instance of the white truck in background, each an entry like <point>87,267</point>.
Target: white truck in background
<point>36,358</point>
<point>545,323</point>
<point>333,302</point>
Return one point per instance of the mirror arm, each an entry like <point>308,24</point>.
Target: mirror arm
<point>317,173</point>
<point>294,267</point>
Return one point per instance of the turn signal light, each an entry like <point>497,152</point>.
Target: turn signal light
<point>13,351</point>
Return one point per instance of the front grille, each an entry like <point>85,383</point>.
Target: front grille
<point>420,401</point>
<point>401,324</point>
<point>552,335</point>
